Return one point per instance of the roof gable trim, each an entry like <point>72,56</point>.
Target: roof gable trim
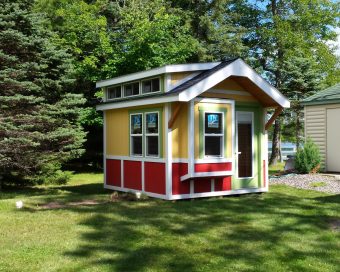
<point>236,68</point>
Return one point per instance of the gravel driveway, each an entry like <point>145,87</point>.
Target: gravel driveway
<point>317,182</point>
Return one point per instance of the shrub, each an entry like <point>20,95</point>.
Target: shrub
<point>308,158</point>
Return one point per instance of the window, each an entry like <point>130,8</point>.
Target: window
<point>114,92</point>
<point>131,89</point>
<point>136,134</point>
<point>150,86</point>
<point>152,134</point>
<point>213,134</point>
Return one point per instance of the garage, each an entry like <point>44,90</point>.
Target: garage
<point>322,125</point>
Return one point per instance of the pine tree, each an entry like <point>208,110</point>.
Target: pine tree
<point>39,128</point>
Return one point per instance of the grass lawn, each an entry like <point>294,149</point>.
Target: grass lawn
<point>273,169</point>
<point>284,230</point>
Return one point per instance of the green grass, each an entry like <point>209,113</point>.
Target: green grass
<point>274,169</point>
<point>318,184</point>
<point>284,230</point>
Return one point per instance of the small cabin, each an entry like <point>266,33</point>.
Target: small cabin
<point>188,130</point>
<point>322,115</point>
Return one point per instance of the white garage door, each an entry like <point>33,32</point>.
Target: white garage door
<point>333,140</point>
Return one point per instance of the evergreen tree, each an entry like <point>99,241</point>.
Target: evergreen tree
<point>39,128</point>
<point>279,31</point>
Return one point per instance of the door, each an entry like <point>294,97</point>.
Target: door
<point>245,144</point>
<point>333,140</point>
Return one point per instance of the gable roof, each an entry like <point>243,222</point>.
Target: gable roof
<point>202,82</point>
<point>328,96</point>
<point>200,77</point>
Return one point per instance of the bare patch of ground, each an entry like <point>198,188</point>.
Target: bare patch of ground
<point>58,205</point>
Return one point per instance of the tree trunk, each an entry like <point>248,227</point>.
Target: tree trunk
<point>275,143</point>
<point>297,130</point>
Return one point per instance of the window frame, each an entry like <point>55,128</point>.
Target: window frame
<point>150,79</point>
<point>152,134</point>
<point>221,135</point>
<point>115,98</point>
<point>143,112</point>
<point>136,135</point>
<point>140,88</point>
<point>132,83</point>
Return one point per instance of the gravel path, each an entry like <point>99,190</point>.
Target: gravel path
<point>317,182</point>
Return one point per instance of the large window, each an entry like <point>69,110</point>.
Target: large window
<point>150,86</point>
<point>213,134</point>
<point>148,136</point>
<point>152,134</point>
<point>114,92</point>
<point>136,134</point>
<point>131,89</point>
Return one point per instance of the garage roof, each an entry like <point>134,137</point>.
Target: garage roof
<point>329,96</point>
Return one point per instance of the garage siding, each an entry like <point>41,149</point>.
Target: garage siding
<point>315,127</point>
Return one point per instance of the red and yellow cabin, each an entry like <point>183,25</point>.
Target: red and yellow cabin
<point>188,130</point>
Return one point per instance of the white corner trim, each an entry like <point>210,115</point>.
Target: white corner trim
<point>168,146</point>
<point>137,102</point>
<point>236,68</point>
<point>157,71</point>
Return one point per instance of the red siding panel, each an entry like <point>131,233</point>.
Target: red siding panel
<point>264,173</point>
<point>223,184</point>
<point>212,167</point>
<point>154,177</point>
<point>133,175</point>
<point>113,173</point>
<point>180,187</point>
<point>202,185</point>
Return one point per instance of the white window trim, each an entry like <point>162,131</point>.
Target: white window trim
<point>140,86</point>
<point>252,144</point>
<point>131,83</point>
<point>115,98</point>
<point>134,135</point>
<point>150,79</point>
<point>152,134</point>
<point>214,135</point>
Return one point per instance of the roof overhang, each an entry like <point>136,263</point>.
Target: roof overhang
<point>237,68</point>
<point>176,68</point>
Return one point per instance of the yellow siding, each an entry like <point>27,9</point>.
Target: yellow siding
<point>243,98</point>
<point>117,132</point>
<point>117,129</point>
<point>229,84</point>
<point>228,124</point>
<point>180,132</point>
<point>178,76</point>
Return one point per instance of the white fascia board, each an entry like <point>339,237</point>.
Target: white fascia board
<point>157,71</point>
<point>138,102</point>
<point>236,68</point>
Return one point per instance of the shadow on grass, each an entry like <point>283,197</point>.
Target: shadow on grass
<point>209,234</point>
<point>278,231</point>
<point>66,192</point>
